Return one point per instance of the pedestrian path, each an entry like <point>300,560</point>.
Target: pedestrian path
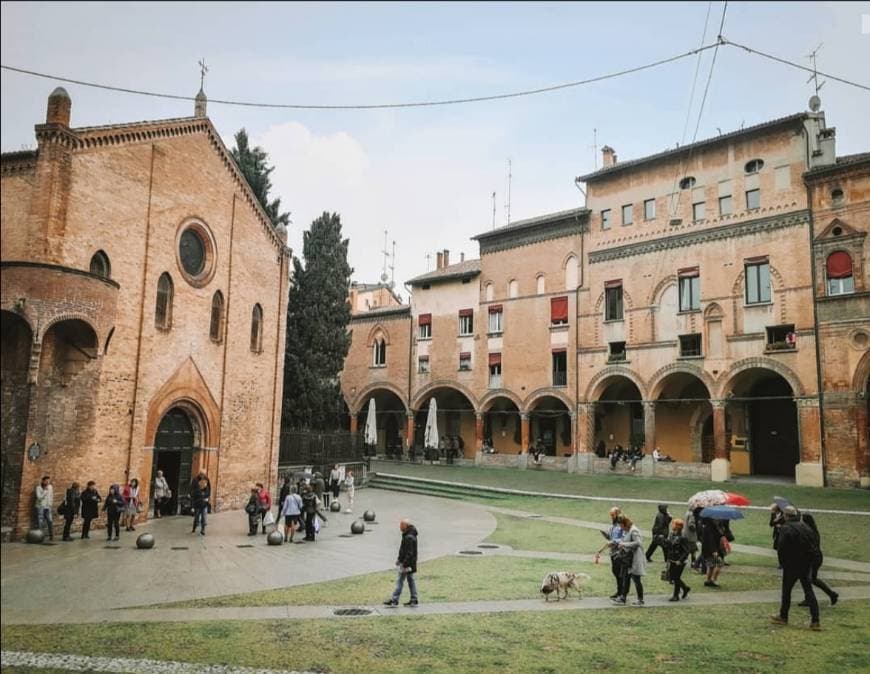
<point>846,564</point>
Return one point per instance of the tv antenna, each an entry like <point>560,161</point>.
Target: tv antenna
<point>386,255</point>
<point>594,148</point>
<point>509,180</point>
<point>428,256</point>
<point>815,101</point>
<point>493,209</point>
<point>203,69</point>
<point>393,267</point>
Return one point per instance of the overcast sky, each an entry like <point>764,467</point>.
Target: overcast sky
<point>427,175</point>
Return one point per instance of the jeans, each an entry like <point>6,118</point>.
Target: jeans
<point>309,526</point>
<point>199,517</point>
<point>626,585</point>
<point>822,585</point>
<point>656,543</point>
<point>67,525</point>
<point>675,573</point>
<point>114,520</point>
<point>616,570</point>
<point>400,583</point>
<point>789,578</point>
<point>43,516</point>
<point>86,526</point>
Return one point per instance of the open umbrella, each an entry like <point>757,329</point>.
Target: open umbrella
<point>430,439</point>
<point>722,513</point>
<point>736,499</point>
<point>371,431</point>
<point>783,503</point>
<point>714,497</point>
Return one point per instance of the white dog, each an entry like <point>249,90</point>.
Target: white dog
<point>562,581</point>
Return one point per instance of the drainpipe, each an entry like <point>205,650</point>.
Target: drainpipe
<point>410,357</point>
<point>577,319</point>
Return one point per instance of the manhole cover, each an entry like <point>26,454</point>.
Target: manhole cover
<point>47,543</point>
<point>352,611</point>
<point>488,546</point>
<point>179,547</point>
<point>535,517</point>
<point>345,535</point>
<point>246,545</point>
<point>111,547</point>
<point>470,552</point>
<point>299,542</point>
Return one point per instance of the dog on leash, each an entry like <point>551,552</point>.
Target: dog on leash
<point>562,581</point>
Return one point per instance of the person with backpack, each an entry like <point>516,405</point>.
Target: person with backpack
<point>659,532</point>
<point>252,508</point>
<point>291,510</point>
<point>90,507</point>
<point>113,507</point>
<point>310,510</point>
<point>797,550</point>
<point>677,548</point>
<point>817,563</point>
<point>71,506</point>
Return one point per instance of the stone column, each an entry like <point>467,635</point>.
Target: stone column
<point>573,432</point>
<point>585,427</point>
<point>410,428</point>
<point>720,467</point>
<point>863,426</point>
<point>524,427</point>
<point>649,426</point>
<point>478,431</point>
<point>354,423</point>
<point>809,471</point>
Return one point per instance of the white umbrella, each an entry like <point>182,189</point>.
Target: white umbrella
<point>371,432</point>
<point>430,440</point>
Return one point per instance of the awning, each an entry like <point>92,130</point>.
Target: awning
<point>559,310</point>
<point>495,309</point>
<point>495,359</point>
<point>839,265</point>
<point>466,312</point>
<point>425,319</point>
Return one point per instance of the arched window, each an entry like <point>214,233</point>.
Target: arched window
<point>572,273</point>
<point>838,270</point>
<point>257,329</point>
<point>489,292</point>
<point>100,265</point>
<point>379,352</point>
<point>163,310</point>
<point>216,328</point>
<point>513,288</point>
<point>540,284</point>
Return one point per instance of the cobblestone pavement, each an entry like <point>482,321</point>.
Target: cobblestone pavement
<point>63,582</point>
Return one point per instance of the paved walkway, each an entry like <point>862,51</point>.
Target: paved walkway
<point>67,581</point>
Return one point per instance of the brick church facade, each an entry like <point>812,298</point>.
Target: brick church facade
<point>711,300</point>
<point>143,309</point>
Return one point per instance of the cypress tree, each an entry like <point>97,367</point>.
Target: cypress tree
<point>318,314</point>
<point>253,163</point>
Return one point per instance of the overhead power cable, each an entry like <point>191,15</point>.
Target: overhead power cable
<point>374,106</point>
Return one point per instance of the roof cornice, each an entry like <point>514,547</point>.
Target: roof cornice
<point>533,230</point>
<point>388,313</point>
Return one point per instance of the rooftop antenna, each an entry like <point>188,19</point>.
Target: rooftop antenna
<point>815,101</point>
<point>493,209</point>
<point>203,69</point>
<point>508,205</point>
<point>428,256</point>
<point>594,147</point>
<point>393,267</point>
<point>386,254</point>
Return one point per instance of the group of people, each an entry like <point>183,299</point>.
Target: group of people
<point>121,505</point>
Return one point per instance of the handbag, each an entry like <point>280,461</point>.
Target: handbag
<point>61,509</point>
<point>268,519</point>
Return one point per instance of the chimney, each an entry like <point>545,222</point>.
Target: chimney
<point>440,260</point>
<point>58,110</point>
<point>608,156</point>
<point>462,257</point>
<point>446,258</point>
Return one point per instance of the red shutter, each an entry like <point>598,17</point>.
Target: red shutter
<point>464,355</point>
<point>466,312</point>
<point>613,284</point>
<point>756,260</point>
<point>559,310</point>
<point>425,319</point>
<point>688,272</point>
<point>495,308</point>
<point>495,359</point>
<point>424,357</point>
<point>839,265</point>
<point>559,349</point>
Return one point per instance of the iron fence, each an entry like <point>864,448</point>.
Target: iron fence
<point>320,449</point>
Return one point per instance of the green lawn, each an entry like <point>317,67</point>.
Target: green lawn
<point>712,639</point>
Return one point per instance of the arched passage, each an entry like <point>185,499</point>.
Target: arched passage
<point>502,425</point>
<point>683,424</point>
<point>174,444</point>
<point>762,415</point>
<point>456,421</point>
<point>619,415</point>
<point>16,338</point>
<point>550,425</point>
<point>390,414</point>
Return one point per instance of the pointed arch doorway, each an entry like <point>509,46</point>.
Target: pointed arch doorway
<point>174,445</point>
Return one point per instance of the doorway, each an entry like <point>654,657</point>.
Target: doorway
<point>173,454</point>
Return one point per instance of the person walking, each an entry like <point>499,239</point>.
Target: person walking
<point>335,481</point>
<point>264,503</point>
<point>131,504</point>
<point>634,569</point>
<point>291,510</point>
<point>311,510</point>
<point>711,540</point>
<point>817,563</point>
<point>44,504</point>
<point>659,532</point>
<point>406,566</point>
<point>349,488</point>
<point>797,551</point>
<point>690,533</point>
<point>72,504</point>
<point>200,494</point>
<point>677,548</point>
<point>320,488</point>
<point>282,494</point>
<point>162,493</point>
<point>252,508</point>
<point>113,507</point>
<point>615,535</point>
<point>90,507</point>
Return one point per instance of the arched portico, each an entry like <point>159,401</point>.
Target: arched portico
<point>456,417</point>
<point>390,418</point>
<point>550,423</point>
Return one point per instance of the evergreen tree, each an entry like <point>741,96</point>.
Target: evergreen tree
<point>318,314</point>
<point>253,163</point>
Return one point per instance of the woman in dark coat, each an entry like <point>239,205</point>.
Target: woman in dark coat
<point>711,537</point>
<point>677,549</point>
<point>72,503</point>
<point>90,507</point>
<point>114,506</point>
<point>817,563</point>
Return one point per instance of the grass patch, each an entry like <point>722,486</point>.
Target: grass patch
<point>650,640</point>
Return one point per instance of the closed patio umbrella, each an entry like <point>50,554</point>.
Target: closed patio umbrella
<point>430,439</point>
<point>371,432</point>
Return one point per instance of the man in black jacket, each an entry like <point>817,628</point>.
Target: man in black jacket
<point>797,549</point>
<point>659,532</point>
<point>406,565</point>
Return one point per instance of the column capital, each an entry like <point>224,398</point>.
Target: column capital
<point>410,414</point>
<point>524,416</point>
<point>649,404</point>
<point>478,415</point>
<point>586,406</point>
<point>807,402</point>
<point>718,404</point>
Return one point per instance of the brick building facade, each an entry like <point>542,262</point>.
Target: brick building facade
<point>678,308</point>
<point>143,308</point>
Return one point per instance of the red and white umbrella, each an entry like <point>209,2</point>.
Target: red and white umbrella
<point>715,497</point>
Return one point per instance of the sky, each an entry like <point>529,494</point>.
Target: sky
<point>426,175</point>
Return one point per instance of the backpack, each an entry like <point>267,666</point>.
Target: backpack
<point>309,504</point>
